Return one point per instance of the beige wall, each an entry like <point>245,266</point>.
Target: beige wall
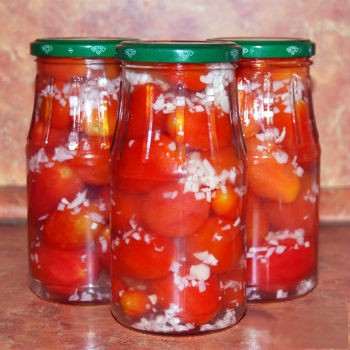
<point>327,22</point>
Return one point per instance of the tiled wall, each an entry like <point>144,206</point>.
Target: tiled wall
<point>327,22</point>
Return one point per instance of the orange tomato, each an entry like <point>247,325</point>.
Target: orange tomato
<point>226,203</point>
<point>300,214</point>
<point>134,303</point>
<point>269,177</point>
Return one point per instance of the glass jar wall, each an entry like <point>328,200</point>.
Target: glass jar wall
<point>283,165</point>
<point>68,155</point>
<point>177,185</point>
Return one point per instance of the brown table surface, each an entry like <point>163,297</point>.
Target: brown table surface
<point>318,320</point>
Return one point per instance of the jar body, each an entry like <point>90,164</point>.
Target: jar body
<point>177,184</point>
<point>283,161</point>
<point>68,159</point>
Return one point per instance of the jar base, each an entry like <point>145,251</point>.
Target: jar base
<point>254,294</point>
<point>168,324</point>
<point>90,294</point>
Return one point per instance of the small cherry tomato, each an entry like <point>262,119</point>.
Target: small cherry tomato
<point>141,168</point>
<point>142,254</point>
<point>256,221</point>
<point>226,203</point>
<point>143,118</point>
<point>300,214</point>
<point>168,211</point>
<point>196,297</point>
<point>48,138</point>
<point>47,187</point>
<point>283,269</point>
<point>125,211</point>
<point>191,78</point>
<point>201,129</point>
<point>250,114</point>
<point>134,303</point>
<point>72,228</point>
<point>300,138</point>
<point>64,69</point>
<point>117,288</point>
<point>91,162</point>
<point>233,288</point>
<point>218,243</point>
<point>270,173</point>
<point>64,271</point>
<point>224,159</point>
<point>101,120</point>
<point>102,244</point>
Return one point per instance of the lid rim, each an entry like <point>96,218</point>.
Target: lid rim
<point>272,47</point>
<point>75,47</point>
<point>178,52</point>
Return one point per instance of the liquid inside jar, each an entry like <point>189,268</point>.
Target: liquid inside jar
<point>68,154</point>
<point>281,212</point>
<point>178,256</point>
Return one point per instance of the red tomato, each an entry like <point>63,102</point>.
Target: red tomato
<point>302,213</point>
<point>54,109</point>
<point>141,254</point>
<point>224,159</point>
<point>300,136</point>
<point>92,160</point>
<point>141,168</point>
<point>72,228</point>
<point>47,187</point>
<point>64,271</point>
<point>227,203</point>
<point>267,176</point>
<point>142,115</point>
<point>201,129</point>
<point>43,136</point>
<point>217,243</point>
<point>256,221</point>
<point>190,78</point>
<point>282,270</point>
<point>63,69</point>
<point>134,303</point>
<point>233,288</point>
<point>125,211</point>
<point>117,288</point>
<point>250,114</point>
<point>102,243</point>
<point>169,211</point>
<point>101,120</point>
<point>198,300</point>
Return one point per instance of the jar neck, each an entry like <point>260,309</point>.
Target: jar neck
<point>265,63</point>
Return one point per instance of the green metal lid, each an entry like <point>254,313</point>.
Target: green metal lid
<point>75,47</point>
<point>273,47</point>
<point>178,51</point>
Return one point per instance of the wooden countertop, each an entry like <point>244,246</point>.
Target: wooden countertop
<point>318,320</point>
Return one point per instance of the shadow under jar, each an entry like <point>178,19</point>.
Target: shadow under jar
<point>283,166</point>
<point>177,185</point>
<point>68,156</point>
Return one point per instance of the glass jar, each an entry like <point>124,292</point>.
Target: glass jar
<point>177,184</point>
<point>283,166</point>
<point>68,156</point>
